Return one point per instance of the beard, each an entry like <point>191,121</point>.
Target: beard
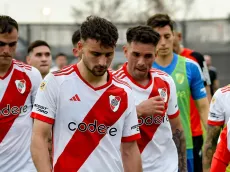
<point>97,70</point>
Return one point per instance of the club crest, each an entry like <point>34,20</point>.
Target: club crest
<point>21,85</point>
<point>163,94</point>
<point>114,102</point>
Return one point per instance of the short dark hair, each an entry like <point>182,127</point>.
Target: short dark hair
<point>99,29</point>
<point>37,43</point>
<point>60,54</point>
<point>76,37</point>
<point>7,24</point>
<point>143,34</point>
<point>160,20</point>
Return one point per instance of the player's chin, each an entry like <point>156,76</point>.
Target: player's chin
<point>5,60</point>
<point>99,72</point>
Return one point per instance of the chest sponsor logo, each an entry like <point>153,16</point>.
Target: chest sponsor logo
<point>14,110</point>
<point>180,78</point>
<point>114,102</point>
<point>163,94</point>
<point>21,85</point>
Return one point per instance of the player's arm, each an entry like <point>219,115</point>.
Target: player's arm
<point>39,145</point>
<point>203,108</point>
<point>179,139</point>
<point>199,93</point>
<point>154,105</point>
<point>129,150</point>
<point>177,128</point>
<point>221,157</point>
<point>43,112</point>
<point>210,144</point>
<point>216,121</point>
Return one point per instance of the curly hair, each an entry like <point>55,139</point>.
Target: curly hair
<point>143,34</point>
<point>7,24</point>
<point>76,37</point>
<point>99,29</point>
<point>160,20</point>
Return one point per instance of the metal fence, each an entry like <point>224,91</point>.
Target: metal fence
<point>206,36</point>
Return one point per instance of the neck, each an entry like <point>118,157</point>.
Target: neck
<point>180,50</point>
<point>4,69</point>
<point>43,75</point>
<point>164,60</point>
<point>95,81</point>
<point>141,80</point>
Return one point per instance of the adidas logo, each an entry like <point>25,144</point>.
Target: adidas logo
<point>75,98</point>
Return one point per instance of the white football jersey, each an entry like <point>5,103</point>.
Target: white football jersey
<point>158,150</point>
<point>89,123</point>
<point>17,94</point>
<point>220,107</point>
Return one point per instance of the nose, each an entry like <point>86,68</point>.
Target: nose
<point>44,58</point>
<point>162,41</point>
<point>141,61</point>
<point>102,60</point>
<point>6,49</point>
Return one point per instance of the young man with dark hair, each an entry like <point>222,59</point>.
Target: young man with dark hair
<point>92,114</point>
<point>60,61</point>
<point>75,39</point>
<point>39,56</point>
<point>187,76</point>
<point>197,132</point>
<point>18,86</point>
<point>156,102</point>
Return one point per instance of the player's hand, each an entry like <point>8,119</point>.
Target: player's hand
<point>154,105</point>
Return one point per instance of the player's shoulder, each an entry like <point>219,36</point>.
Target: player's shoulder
<point>121,83</point>
<point>159,73</point>
<point>225,89</point>
<point>65,73</point>
<point>120,73</point>
<point>31,71</point>
<point>191,64</point>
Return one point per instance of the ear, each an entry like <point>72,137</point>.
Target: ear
<point>75,52</point>
<point>179,36</point>
<point>28,60</point>
<point>125,50</point>
<point>79,46</point>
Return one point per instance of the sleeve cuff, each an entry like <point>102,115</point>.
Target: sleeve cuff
<point>215,123</point>
<point>42,118</point>
<point>174,115</point>
<point>131,138</point>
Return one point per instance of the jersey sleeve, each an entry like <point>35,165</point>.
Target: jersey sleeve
<point>198,90</point>
<point>201,61</point>
<point>45,105</point>
<point>216,112</point>
<point>173,110</point>
<point>131,130</point>
<point>36,81</point>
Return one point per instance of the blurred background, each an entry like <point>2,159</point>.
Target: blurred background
<point>205,25</point>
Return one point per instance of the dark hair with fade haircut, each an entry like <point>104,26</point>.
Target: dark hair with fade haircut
<point>35,44</point>
<point>60,54</point>
<point>76,37</point>
<point>99,29</point>
<point>7,24</point>
<point>142,34</point>
<point>160,20</point>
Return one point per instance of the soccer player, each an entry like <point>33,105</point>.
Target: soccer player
<point>61,61</point>
<point>197,132</point>
<point>93,114</point>
<point>187,76</point>
<point>158,150</point>
<point>218,116</point>
<point>39,56</point>
<point>18,86</point>
<point>75,39</point>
